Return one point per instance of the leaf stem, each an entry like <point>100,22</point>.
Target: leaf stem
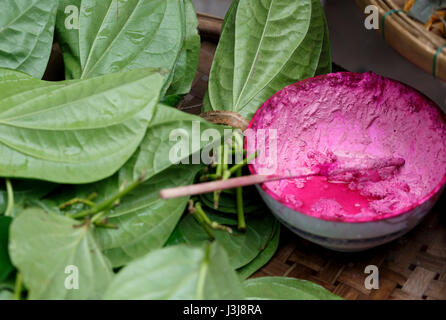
<point>208,177</point>
<point>214,225</point>
<point>218,172</point>
<point>197,210</point>
<point>225,173</point>
<point>200,211</point>
<point>104,224</point>
<point>226,176</point>
<point>237,146</point>
<point>219,168</point>
<point>98,216</point>
<point>121,188</point>
<point>225,157</point>
<point>193,210</point>
<point>108,204</point>
<point>202,275</point>
<point>238,166</point>
<point>240,210</point>
<point>10,191</point>
<point>74,201</point>
<point>18,286</point>
<point>235,151</point>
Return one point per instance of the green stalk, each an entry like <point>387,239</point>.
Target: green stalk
<point>107,204</point>
<point>10,191</point>
<point>98,216</point>
<point>199,210</point>
<point>219,167</point>
<point>202,275</point>
<point>240,210</point>
<point>18,286</point>
<point>224,172</point>
<point>74,201</point>
<point>200,219</point>
<point>225,157</point>
<point>103,224</point>
<point>226,176</point>
<point>218,172</point>
<point>121,188</point>
<point>212,224</point>
<point>237,146</point>
<point>211,177</point>
<point>216,226</point>
<point>238,166</point>
<point>216,199</point>
<point>234,151</point>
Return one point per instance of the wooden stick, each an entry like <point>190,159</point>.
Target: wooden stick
<point>206,187</point>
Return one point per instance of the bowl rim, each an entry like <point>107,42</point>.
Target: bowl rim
<point>395,214</point>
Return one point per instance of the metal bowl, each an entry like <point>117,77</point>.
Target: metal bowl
<point>348,236</point>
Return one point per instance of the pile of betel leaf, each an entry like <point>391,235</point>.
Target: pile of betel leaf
<point>82,160</point>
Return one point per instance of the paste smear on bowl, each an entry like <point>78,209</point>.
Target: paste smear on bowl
<point>348,118</point>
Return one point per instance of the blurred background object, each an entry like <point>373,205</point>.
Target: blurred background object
<point>357,49</point>
<point>215,7</point>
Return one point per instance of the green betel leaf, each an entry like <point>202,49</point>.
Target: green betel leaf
<point>55,256</point>
<point>67,34</point>
<point>265,46</point>
<point>74,131</point>
<point>187,63</point>
<point>267,33</point>
<point>221,78</point>
<point>6,295</point>
<point>169,128</point>
<point>6,74</point>
<point>25,191</point>
<point>283,288</point>
<point>5,263</point>
<point>7,288</point>
<point>26,35</point>
<point>241,248</point>
<point>121,35</point>
<point>308,59</point>
<point>263,257</point>
<point>178,272</point>
<point>144,220</point>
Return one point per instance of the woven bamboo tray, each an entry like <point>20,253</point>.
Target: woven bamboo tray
<point>413,267</point>
<point>409,37</point>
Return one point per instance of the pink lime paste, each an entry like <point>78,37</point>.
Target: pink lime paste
<point>348,117</point>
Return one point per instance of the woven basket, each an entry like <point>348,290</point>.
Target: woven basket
<point>413,267</point>
<point>409,37</point>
